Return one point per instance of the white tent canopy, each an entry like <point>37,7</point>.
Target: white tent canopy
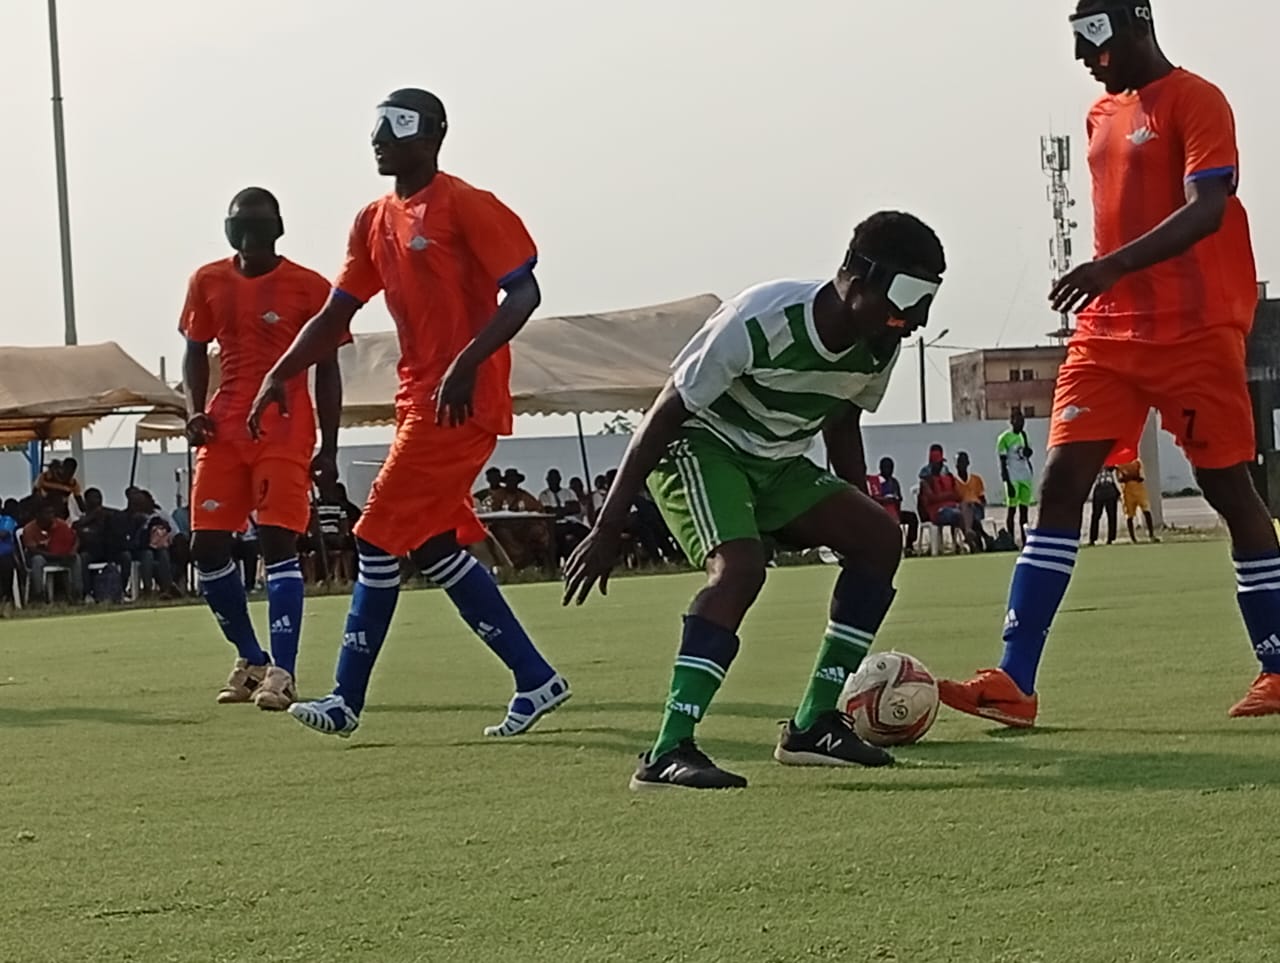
<point>53,392</point>
<point>616,361</point>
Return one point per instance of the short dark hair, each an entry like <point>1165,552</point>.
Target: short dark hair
<point>900,239</point>
<point>252,195</point>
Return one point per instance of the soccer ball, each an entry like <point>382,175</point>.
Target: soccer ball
<point>892,699</point>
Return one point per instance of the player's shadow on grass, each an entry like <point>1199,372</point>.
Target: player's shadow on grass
<point>1006,765</point>
<point>743,710</point>
<point>61,715</point>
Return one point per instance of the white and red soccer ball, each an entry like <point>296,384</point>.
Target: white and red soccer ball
<point>892,699</point>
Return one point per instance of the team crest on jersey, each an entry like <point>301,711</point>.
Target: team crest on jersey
<point>1142,135</point>
<point>271,317</point>
<point>419,243</point>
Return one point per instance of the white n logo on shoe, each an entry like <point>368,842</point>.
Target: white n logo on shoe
<point>828,742</point>
<point>672,772</point>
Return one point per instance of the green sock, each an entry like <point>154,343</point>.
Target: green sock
<point>693,685</point>
<point>843,649</point>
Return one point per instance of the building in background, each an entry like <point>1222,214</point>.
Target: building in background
<point>987,384</point>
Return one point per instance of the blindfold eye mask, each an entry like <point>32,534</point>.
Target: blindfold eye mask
<point>910,294</point>
<point>402,123</point>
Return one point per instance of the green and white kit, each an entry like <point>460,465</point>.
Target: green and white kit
<point>760,384</point>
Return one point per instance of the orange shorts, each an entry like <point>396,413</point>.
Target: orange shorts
<point>234,478</point>
<point>424,487</point>
<point>1198,384</point>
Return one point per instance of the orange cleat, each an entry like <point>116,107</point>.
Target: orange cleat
<point>1262,699</point>
<point>991,694</point>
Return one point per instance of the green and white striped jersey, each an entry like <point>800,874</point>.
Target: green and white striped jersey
<point>758,376</point>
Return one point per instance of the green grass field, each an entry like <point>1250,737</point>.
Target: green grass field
<point>141,822</point>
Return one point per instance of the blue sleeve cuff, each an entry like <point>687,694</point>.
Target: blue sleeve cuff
<point>338,292</point>
<point>519,274</point>
<point>1212,172</point>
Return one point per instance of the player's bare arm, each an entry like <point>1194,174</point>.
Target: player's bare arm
<point>1198,218</point>
<point>329,415</point>
<point>453,398</point>
<point>317,342</point>
<point>595,556</point>
<point>842,434</point>
<point>195,385</point>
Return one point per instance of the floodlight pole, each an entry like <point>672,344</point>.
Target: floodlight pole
<point>64,208</point>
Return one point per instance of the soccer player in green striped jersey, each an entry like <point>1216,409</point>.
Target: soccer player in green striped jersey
<point>724,449</point>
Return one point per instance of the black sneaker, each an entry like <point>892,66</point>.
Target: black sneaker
<point>684,767</point>
<point>830,741</point>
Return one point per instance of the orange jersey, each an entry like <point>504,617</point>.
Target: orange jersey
<point>254,320</point>
<point>1144,147</point>
<point>440,258</point>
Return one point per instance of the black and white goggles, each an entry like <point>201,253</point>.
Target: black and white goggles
<point>911,295</point>
<point>400,123</point>
<point>1099,28</point>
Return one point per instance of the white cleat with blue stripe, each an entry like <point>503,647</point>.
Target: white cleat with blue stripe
<point>330,715</point>
<point>526,708</point>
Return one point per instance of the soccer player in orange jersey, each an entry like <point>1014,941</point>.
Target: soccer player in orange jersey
<point>253,305</point>
<point>1164,310</point>
<point>440,251</point>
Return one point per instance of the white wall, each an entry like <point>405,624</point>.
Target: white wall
<point>908,445</point>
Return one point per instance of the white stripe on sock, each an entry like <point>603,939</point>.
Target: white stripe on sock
<point>230,569</point>
<point>284,576</point>
<point>852,636</point>
<point>1050,566</point>
<point>458,576</point>
<point>288,563</point>
<point>1050,541</point>
<point>442,573</point>
<point>704,665</point>
<point>1049,553</point>
<point>379,583</point>
<point>1258,587</point>
<point>1250,578</point>
<point>438,567</point>
<point>1261,563</point>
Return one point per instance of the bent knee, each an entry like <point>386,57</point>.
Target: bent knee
<point>738,569</point>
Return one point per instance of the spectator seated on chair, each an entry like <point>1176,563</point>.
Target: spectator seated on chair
<point>10,561</point>
<point>151,536</point>
<point>558,501</point>
<point>491,497</point>
<point>104,540</point>
<point>973,502</point>
<point>527,543</point>
<point>49,542</point>
<point>940,496</point>
<point>886,490</point>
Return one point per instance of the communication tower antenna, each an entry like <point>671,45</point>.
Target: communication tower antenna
<point>1055,161</point>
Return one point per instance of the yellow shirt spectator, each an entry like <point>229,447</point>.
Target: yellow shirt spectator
<point>1133,488</point>
<point>973,491</point>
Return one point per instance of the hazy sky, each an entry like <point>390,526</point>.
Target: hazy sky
<point>655,150</point>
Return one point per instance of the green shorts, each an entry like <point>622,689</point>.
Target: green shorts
<point>1022,496</point>
<point>710,493</point>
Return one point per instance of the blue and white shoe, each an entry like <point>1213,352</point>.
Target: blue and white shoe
<point>330,715</point>
<point>526,708</point>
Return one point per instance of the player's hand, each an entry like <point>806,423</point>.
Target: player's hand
<point>271,393</point>
<point>324,467</point>
<point>591,562</point>
<point>453,397</point>
<point>1011,489</point>
<point>1078,288</point>
<point>200,430</point>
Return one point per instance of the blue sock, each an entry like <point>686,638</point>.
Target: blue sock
<point>224,591</point>
<point>1258,592</point>
<point>285,590</point>
<point>481,605</point>
<point>1040,581</point>
<point>373,602</point>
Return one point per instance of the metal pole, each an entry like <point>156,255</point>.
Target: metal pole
<point>1149,452</point>
<point>586,469</point>
<point>64,209</point>
<point>924,409</point>
<point>164,441</point>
